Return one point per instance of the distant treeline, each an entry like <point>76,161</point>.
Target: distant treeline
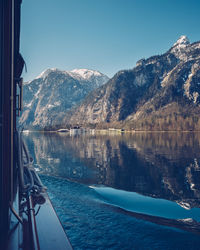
<point>170,123</point>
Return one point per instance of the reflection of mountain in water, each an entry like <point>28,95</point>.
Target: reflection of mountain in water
<point>162,165</point>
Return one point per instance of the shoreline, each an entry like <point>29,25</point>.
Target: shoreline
<point>113,131</point>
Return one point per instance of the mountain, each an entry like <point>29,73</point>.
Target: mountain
<point>53,92</point>
<point>160,93</point>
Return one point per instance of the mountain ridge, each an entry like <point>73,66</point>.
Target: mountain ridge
<point>48,97</point>
<point>168,83</point>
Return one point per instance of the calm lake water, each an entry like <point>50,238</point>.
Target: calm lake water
<point>122,191</point>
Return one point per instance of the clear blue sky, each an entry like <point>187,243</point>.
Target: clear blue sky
<point>106,35</point>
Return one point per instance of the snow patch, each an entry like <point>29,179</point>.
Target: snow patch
<point>84,73</point>
<point>179,49</point>
<point>140,80</point>
<point>80,74</point>
<point>187,86</point>
<point>58,103</point>
<point>46,72</point>
<point>30,104</point>
<point>195,96</point>
<point>182,41</point>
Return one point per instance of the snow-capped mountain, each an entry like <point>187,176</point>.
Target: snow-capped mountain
<point>183,50</point>
<point>53,92</point>
<point>160,93</point>
<point>80,74</point>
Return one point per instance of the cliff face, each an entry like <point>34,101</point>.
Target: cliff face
<point>161,86</point>
<point>48,97</point>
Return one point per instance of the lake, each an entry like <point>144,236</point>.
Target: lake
<point>122,191</point>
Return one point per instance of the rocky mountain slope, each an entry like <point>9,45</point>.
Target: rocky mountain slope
<point>160,93</point>
<point>48,97</point>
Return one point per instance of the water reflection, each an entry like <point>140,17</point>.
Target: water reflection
<point>151,177</point>
<point>161,165</point>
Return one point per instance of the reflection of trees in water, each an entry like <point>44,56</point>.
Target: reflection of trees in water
<point>164,165</point>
